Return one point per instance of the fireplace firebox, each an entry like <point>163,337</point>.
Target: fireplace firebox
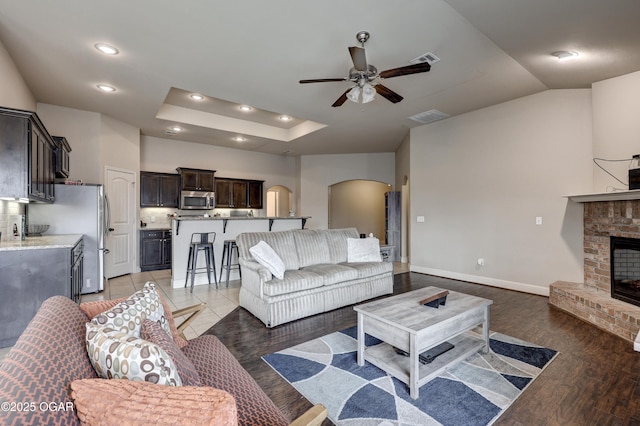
<point>625,269</point>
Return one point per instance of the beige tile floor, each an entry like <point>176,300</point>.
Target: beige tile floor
<point>220,301</point>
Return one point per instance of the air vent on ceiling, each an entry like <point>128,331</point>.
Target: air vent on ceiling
<point>429,116</point>
<point>426,57</point>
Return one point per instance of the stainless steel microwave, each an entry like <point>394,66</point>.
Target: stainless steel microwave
<point>197,200</point>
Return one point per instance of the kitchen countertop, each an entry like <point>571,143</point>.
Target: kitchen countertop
<point>240,218</point>
<point>43,242</point>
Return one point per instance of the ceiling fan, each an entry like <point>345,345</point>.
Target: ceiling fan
<point>366,76</point>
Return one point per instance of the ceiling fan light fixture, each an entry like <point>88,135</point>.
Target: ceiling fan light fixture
<point>368,93</point>
<point>354,94</point>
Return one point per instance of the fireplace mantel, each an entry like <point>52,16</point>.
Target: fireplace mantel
<point>633,194</point>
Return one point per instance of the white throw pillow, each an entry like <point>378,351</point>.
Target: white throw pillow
<point>363,250</point>
<point>267,257</point>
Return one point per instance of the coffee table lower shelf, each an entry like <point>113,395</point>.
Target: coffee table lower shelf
<point>385,357</point>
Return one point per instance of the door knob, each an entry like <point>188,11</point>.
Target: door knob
<point>111,229</point>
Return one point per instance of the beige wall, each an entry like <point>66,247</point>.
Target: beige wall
<point>481,179</point>
<point>82,130</point>
<point>403,174</point>
<point>616,128</point>
<point>318,172</point>
<point>359,204</point>
<point>14,92</point>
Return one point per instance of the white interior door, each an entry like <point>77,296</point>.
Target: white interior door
<point>120,187</point>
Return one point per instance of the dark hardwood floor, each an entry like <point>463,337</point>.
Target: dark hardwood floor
<point>594,380</point>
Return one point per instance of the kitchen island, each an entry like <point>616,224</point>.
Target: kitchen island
<point>33,270</point>
<point>226,228</point>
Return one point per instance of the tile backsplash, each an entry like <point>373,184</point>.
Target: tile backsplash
<point>8,209</point>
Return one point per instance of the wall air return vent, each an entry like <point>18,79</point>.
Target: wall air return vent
<point>426,57</point>
<point>429,116</point>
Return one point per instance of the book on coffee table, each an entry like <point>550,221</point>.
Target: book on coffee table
<point>429,355</point>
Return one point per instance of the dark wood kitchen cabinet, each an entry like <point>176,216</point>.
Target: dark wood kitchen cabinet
<point>159,189</point>
<point>27,169</point>
<point>254,194</point>
<point>238,193</point>
<point>196,179</point>
<point>155,249</point>
<point>61,157</point>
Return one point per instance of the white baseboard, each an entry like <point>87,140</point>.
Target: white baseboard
<point>494,282</point>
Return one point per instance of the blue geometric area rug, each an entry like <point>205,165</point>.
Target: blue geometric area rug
<point>474,392</point>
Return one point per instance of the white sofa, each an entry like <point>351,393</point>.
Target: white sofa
<point>318,278</point>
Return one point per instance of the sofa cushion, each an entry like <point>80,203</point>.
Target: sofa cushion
<point>363,250</point>
<point>267,257</point>
<point>293,281</point>
<point>281,242</point>
<point>370,269</point>
<point>128,315</point>
<point>117,355</point>
<point>311,246</point>
<point>48,355</point>
<point>219,369</point>
<point>337,243</point>
<point>333,274</point>
<point>152,332</point>
<point>125,402</point>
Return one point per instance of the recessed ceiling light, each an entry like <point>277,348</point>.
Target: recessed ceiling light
<point>107,49</point>
<point>106,88</point>
<point>563,55</point>
<point>245,108</point>
<point>239,139</point>
<point>284,118</point>
<point>196,97</point>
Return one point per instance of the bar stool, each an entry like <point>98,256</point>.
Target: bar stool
<point>201,242</point>
<point>227,259</point>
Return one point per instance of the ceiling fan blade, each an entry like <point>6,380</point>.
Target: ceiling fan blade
<point>359,58</point>
<point>409,69</point>
<point>322,80</point>
<point>388,93</point>
<point>341,99</point>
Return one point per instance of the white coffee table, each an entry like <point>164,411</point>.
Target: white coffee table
<point>402,322</point>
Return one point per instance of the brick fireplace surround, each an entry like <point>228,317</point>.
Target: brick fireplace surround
<point>592,301</point>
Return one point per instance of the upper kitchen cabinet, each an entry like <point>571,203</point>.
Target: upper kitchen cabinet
<point>196,179</point>
<point>254,193</point>
<point>238,193</point>
<point>159,189</point>
<point>61,157</point>
<point>27,171</point>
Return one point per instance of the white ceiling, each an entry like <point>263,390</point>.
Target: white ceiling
<point>254,52</point>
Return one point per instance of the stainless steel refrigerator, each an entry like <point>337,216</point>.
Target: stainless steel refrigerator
<point>78,209</point>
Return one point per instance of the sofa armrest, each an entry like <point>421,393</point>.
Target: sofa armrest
<point>314,416</point>
<point>254,275</point>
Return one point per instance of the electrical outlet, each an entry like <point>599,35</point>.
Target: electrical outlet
<point>538,220</point>
<point>420,218</point>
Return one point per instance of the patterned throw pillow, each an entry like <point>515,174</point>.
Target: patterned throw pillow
<point>116,355</point>
<point>128,315</point>
<point>152,332</point>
